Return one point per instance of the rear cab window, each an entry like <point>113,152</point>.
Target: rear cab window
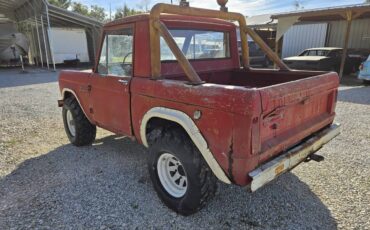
<point>197,44</point>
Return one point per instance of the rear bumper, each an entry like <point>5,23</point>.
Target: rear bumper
<point>287,161</point>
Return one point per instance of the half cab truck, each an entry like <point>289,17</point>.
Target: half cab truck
<point>204,114</point>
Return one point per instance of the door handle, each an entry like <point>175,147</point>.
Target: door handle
<point>123,82</point>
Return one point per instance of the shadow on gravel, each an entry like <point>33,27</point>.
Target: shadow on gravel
<point>14,77</point>
<point>106,186</point>
<point>358,95</point>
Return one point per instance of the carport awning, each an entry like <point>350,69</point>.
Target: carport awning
<point>18,10</point>
<point>34,18</point>
<point>348,13</point>
<point>327,14</point>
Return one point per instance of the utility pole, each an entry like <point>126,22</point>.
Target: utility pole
<point>110,12</point>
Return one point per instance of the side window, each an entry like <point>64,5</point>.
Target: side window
<point>116,54</point>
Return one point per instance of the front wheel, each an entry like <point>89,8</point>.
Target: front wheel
<point>180,176</point>
<point>78,128</point>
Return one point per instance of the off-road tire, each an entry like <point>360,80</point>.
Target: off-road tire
<point>201,183</point>
<point>85,132</point>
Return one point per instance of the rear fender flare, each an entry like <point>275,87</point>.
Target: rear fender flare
<point>192,130</point>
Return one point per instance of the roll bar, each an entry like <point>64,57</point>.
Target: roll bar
<point>157,29</point>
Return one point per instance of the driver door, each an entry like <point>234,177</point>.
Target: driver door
<point>110,84</point>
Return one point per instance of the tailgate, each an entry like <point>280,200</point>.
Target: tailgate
<point>294,110</point>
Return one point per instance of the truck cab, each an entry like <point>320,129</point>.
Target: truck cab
<point>173,81</point>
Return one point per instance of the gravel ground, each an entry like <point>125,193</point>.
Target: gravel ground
<point>47,183</point>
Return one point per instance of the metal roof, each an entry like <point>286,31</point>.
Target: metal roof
<point>34,19</point>
<point>330,13</point>
<point>262,19</point>
<point>19,9</point>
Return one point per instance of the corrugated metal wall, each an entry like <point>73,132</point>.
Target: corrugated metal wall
<point>360,34</point>
<point>301,37</point>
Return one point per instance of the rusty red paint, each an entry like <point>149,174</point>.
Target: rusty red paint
<point>248,116</point>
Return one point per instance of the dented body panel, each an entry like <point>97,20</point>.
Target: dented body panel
<point>248,116</point>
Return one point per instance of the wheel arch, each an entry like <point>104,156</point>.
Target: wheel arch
<point>191,129</point>
<point>66,93</point>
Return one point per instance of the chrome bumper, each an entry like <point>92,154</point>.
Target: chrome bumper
<point>272,169</point>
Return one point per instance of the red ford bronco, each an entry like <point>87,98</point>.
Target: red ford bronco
<point>173,81</point>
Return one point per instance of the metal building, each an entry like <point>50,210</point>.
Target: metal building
<point>345,26</point>
<point>35,18</point>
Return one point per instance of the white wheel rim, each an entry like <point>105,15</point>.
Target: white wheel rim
<point>71,123</point>
<point>172,175</point>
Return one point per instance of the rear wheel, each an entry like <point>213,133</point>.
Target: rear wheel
<point>180,176</point>
<point>78,128</point>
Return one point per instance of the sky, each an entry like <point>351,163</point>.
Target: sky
<point>247,7</point>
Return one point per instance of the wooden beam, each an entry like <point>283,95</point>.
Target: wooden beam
<point>346,40</point>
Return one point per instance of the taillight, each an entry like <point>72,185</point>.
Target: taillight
<point>361,67</point>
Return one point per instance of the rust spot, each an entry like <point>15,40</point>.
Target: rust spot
<point>255,120</point>
<point>230,155</point>
<point>279,169</point>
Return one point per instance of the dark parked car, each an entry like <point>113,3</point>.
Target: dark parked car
<point>324,58</point>
<point>358,56</point>
<point>257,58</point>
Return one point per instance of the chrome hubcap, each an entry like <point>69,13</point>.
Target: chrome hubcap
<point>172,175</point>
<point>71,123</point>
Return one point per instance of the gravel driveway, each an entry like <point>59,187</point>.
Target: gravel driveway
<point>47,183</point>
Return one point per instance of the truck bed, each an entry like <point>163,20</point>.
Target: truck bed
<point>249,79</point>
<point>294,104</point>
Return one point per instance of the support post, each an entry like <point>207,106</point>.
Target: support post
<point>39,42</point>
<point>31,46</point>
<point>50,40</point>
<point>20,56</point>
<point>276,51</point>
<point>45,46</point>
<point>35,47</point>
<point>346,40</point>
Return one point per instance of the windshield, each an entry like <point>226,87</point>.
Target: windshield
<point>315,53</point>
<point>197,44</point>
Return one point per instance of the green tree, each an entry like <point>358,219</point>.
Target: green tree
<point>97,12</point>
<point>61,3</point>
<point>80,8</point>
<point>125,11</point>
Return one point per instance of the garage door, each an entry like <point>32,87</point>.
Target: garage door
<point>301,37</point>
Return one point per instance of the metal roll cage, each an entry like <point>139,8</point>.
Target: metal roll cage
<point>157,29</point>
